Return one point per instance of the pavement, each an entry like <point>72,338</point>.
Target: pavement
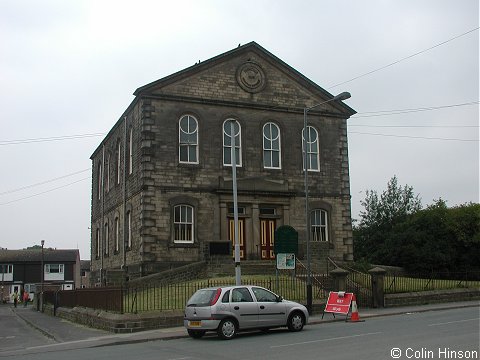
<point>64,335</point>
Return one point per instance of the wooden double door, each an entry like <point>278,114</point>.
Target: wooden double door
<point>267,238</point>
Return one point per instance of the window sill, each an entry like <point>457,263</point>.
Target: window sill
<point>183,245</point>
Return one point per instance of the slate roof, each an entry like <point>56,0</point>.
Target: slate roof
<point>35,255</point>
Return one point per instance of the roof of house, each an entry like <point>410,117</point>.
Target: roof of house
<point>35,255</point>
<point>85,265</point>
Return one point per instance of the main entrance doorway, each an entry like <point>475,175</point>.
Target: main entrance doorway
<point>267,227</point>
<point>241,236</point>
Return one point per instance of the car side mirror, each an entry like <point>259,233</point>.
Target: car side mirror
<point>279,299</point>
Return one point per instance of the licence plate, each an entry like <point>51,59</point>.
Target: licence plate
<point>194,323</point>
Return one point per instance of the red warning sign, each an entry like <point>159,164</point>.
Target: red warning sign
<point>338,302</point>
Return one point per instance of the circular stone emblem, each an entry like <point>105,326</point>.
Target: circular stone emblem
<point>251,77</point>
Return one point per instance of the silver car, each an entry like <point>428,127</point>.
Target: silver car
<point>230,309</point>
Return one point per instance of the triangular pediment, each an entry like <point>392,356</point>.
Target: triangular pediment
<point>246,75</point>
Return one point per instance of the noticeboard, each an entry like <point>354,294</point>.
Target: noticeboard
<point>285,261</point>
<point>286,240</point>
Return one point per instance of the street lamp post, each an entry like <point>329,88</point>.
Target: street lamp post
<point>342,96</point>
<point>233,143</point>
<point>42,272</point>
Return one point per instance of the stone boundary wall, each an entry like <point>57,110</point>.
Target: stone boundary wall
<point>128,323</point>
<point>118,323</point>
<point>432,296</point>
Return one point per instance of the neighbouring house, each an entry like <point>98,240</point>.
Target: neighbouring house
<point>85,273</point>
<point>22,270</point>
<point>162,178</point>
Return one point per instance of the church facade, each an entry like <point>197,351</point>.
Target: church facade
<point>162,177</point>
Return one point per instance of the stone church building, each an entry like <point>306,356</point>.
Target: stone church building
<point>162,177</point>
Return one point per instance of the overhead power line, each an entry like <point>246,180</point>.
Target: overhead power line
<point>406,111</point>
<point>415,126</point>
<point>403,59</point>
<point>44,192</point>
<point>48,139</point>
<point>42,182</point>
<point>413,137</point>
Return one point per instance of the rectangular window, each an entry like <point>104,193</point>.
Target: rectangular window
<point>6,268</point>
<point>241,210</point>
<point>267,211</point>
<point>319,225</point>
<point>54,268</point>
<point>183,224</point>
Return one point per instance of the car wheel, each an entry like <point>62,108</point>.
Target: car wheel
<point>196,334</point>
<point>227,329</point>
<point>296,321</point>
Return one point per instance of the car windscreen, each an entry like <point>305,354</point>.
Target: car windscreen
<point>202,297</point>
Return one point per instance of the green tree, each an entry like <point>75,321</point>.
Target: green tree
<point>382,212</point>
<point>391,206</point>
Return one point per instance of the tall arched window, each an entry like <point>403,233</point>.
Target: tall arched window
<point>107,236</point>
<point>319,225</point>
<point>108,174</point>
<point>130,152</point>
<point>271,146</point>
<point>188,140</point>
<point>129,229</point>
<point>183,224</point>
<point>232,139</point>
<point>119,161</point>
<point>312,149</point>
<point>97,243</point>
<point>100,181</point>
<point>117,235</point>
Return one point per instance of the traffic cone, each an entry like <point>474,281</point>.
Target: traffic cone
<point>354,317</point>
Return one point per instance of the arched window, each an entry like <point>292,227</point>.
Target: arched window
<point>319,225</point>
<point>129,230</point>
<point>188,140</point>
<point>312,149</point>
<point>183,224</point>
<point>117,235</point>
<point>232,139</point>
<point>108,174</point>
<point>97,243</point>
<point>107,235</point>
<point>119,161</point>
<point>130,152</point>
<point>271,146</point>
<point>100,181</point>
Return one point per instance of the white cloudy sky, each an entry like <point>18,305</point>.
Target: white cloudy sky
<point>70,68</point>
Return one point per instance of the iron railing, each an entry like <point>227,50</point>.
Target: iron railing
<point>291,285</point>
<point>431,281</point>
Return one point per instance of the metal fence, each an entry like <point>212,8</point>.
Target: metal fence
<point>431,281</point>
<point>168,297</point>
<point>175,296</point>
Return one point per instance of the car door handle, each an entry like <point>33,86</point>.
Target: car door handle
<point>262,307</point>
<point>236,307</point>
